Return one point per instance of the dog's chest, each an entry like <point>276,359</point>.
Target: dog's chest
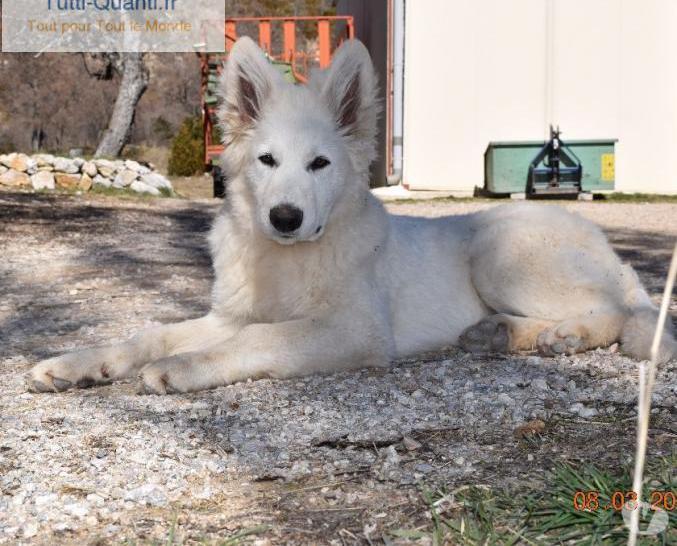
<point>273,287</point>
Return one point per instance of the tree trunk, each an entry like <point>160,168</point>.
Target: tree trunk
<point>132,87</point>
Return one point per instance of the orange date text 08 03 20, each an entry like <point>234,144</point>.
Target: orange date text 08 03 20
<point>593,500</point>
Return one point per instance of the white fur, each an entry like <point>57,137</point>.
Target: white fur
<point>354,286</point>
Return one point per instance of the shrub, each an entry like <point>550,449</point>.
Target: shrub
<point>187,154</point>
<point>162,130</point>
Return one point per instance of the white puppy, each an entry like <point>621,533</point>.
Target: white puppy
<point>312,274</point>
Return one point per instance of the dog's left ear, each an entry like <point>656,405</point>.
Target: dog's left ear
<point>349,87</point>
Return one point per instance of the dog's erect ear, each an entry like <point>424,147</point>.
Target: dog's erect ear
<point>349,88</point>
<point>247,82</point>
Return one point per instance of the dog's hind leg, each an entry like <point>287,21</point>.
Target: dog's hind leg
<point>104,364</point>
<point>549,265</point>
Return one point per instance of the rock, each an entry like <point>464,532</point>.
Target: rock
<point>85,182</point>
<point>79,162</point>
<point>424,468</point>
<point>14,179</point>
<point>136,167</point>
<point>106,172</point>
<point>392,457</point>
<point>44,160</point>
<point>96,500</point>
<point>43,180</point>
<point>141,187</point>
<point>32,166</point>
<point>17,162</point>
<point>101,181</point>
<point>6,159</point>
<point>76,509</point>
<point>46,168</point>
<point>149,493</point>
<point>583,411</point>
<point>75,152</point>
<point>410,444</point>
<point>125,178</point>
<point>30,529</point>
<point>540,384</point>
<point>3,169</point>
<point>65,165</point>
<point>299,469</point>
<point>68,181</point>
<point>89,168</point>
<point>105,167</point>
<point>157,181</point>
<point>46,499</point>
<point>20,162</point>
<point>505,398</point>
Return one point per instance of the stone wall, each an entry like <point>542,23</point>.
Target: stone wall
<point>45,171</point>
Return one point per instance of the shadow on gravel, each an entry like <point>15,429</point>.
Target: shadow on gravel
<point>142,247</point>
<point>648,252</point>
<point>153,250</point>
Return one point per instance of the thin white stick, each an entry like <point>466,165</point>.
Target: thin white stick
<point>646,385</point>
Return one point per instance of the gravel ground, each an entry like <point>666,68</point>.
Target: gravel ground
<point>326,459</point>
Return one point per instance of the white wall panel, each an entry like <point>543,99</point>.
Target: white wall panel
<point>487,70</point>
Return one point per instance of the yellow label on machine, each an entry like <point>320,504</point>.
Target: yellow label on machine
<point>608,167</point>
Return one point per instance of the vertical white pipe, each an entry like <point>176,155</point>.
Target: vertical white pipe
<point>398,89</point>
<point>647,378</point>
<point>549,66</point>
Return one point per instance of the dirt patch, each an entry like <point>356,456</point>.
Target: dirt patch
<point>341,458</point>
<point>193,187</point>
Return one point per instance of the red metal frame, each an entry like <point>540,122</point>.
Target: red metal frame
<point>298,60</point>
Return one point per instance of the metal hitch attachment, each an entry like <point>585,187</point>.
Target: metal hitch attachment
<point>555,169</point>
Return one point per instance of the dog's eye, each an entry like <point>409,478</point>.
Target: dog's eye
<point>268,159</point>
<point>319,163</point>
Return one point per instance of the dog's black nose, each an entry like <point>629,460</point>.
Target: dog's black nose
<point>286,218</point>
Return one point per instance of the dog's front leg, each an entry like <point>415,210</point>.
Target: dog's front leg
<point>99,365</point>
<point>277,350</point>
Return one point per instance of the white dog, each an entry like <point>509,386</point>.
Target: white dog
<point>312,274</point>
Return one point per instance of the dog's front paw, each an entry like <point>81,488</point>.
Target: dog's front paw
<point>65,372</point>
<point>169,376</point>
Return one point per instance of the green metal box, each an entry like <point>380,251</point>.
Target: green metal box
<point>506,164</point>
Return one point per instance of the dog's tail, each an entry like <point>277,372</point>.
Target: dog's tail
<point>638,331</point>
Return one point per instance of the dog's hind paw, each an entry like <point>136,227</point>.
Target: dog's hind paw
<point>556,341</point>
<point>487,336</point>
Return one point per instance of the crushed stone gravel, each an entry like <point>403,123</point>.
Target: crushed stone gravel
<point>110,465</point>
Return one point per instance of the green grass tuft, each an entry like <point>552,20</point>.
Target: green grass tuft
<point>482,516</point>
